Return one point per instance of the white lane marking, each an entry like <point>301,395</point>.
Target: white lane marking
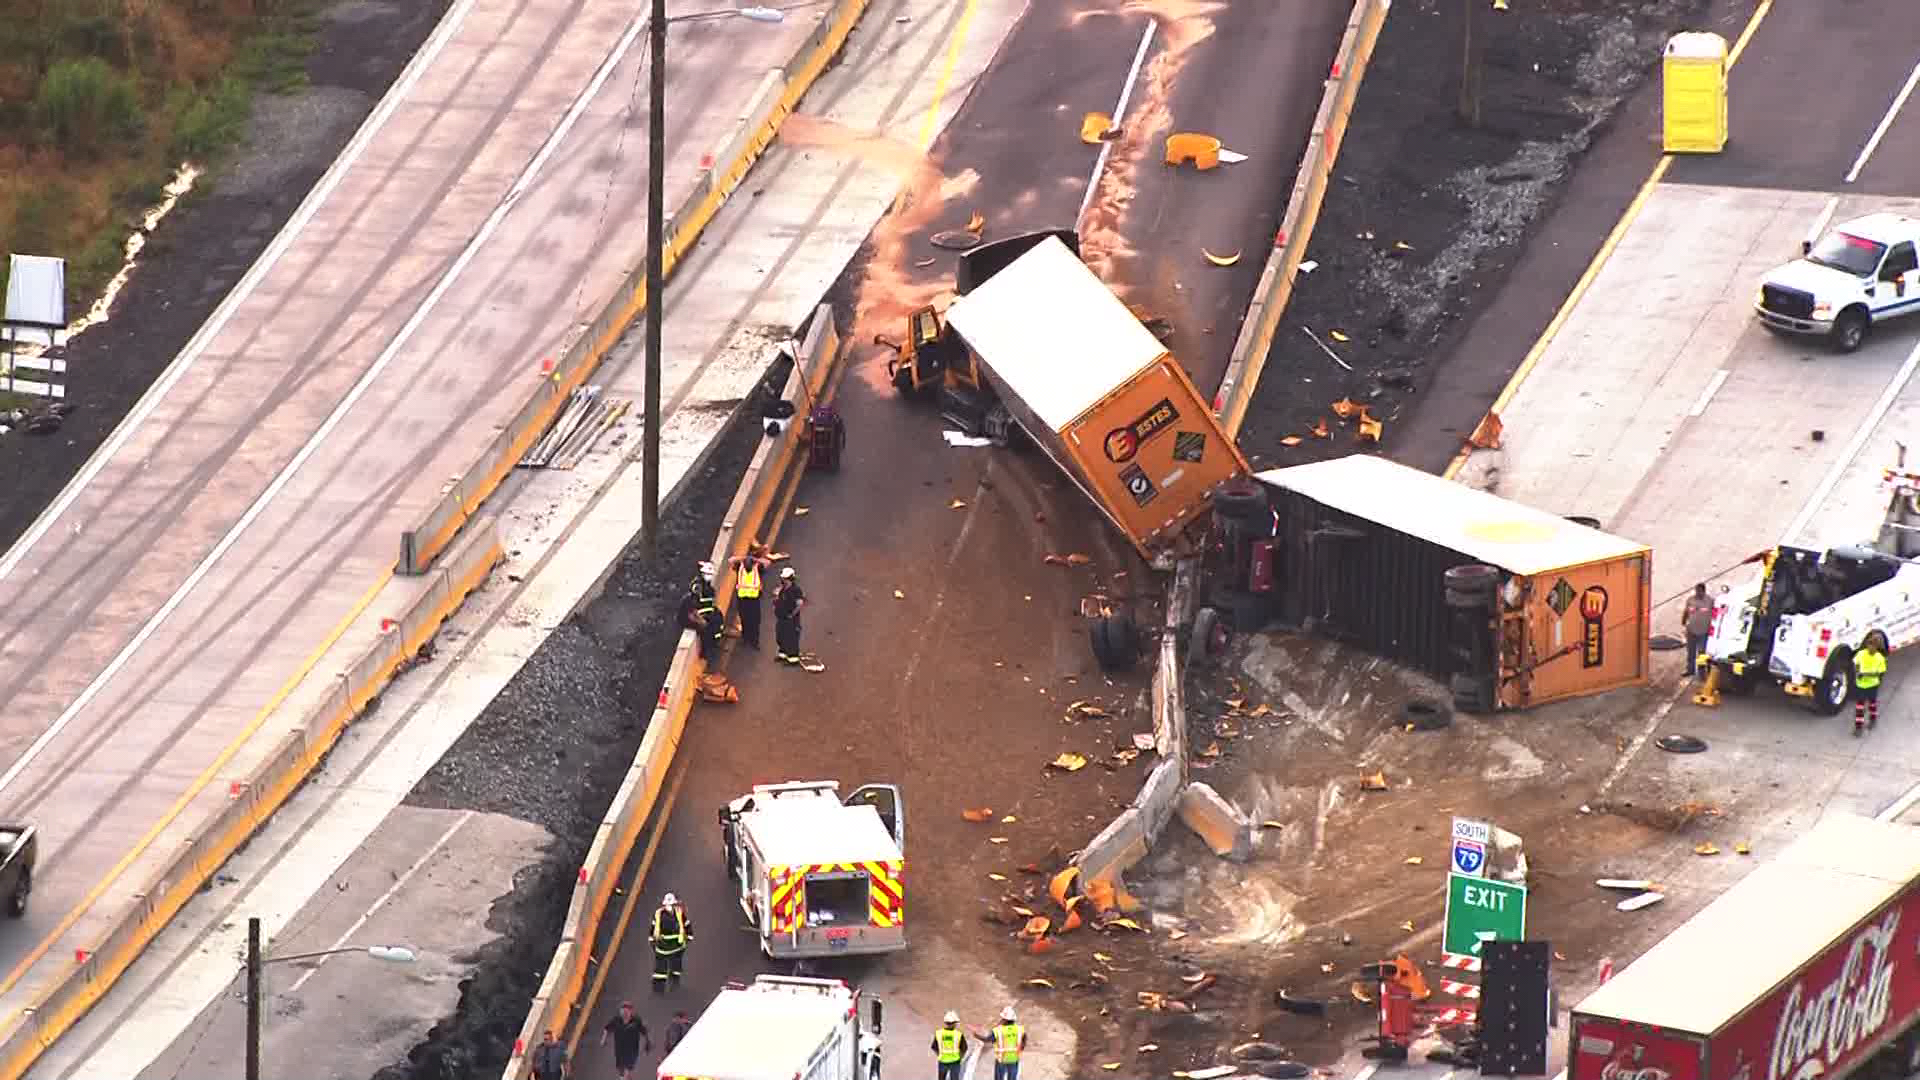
<point>412,325</point>
<point>1886,122</point>
<point>1119,110</point>
<point>398,884</point>
<point>1706,396</point>
<point>1900,806</point>
<point>1854,445</point>
<point>251,280</point>
<point>1821,222</point>
<point>1366,1073</point>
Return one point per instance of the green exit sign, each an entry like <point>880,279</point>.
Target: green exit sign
<point>1479,910</point>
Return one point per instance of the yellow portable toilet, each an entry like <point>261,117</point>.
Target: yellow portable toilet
<point>1694,102</point>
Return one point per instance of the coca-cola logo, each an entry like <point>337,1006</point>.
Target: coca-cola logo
<point>1617,1070</point>
<point>1819,1028</point>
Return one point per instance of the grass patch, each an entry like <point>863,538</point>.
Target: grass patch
<point>100,102</point>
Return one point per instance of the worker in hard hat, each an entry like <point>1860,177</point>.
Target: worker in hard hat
<point>949,1046</point>
<point>1009,1038</point>
<point>671,932</point>
<point>700,611</point>
<point>788,600</point>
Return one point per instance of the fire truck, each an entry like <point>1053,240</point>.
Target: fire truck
<point>819,875</point>
<point>1800,623</point>
<point>1809,967</point>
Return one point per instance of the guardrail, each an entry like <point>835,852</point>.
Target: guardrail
<point>1270,296</point>
<point>766,477</point>
<point>298,753</point>
<point>584,347</point>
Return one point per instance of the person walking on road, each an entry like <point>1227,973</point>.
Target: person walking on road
<point>1697,620</point>
<point>671,932</point>
<point>677,1029</point>
<point>550,1059</point>
<point>700,611</point>
<point>788,600</point>
<point>1869,667</point>
<point>748,570</point>
<point>627,1031</point>
<point>949,1047</point>
<point>1009,1038</point>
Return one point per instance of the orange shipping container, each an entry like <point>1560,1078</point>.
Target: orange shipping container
<point>1098,392</point>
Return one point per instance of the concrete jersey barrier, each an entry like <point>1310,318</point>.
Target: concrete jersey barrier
<point>1270,295</point>
<point>772,469</point>
<point>584,347</point>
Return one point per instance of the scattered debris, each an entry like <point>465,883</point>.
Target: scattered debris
<point>1334,356</point>
<point>996,877</point>
<point>1008,820</point>
<point>978,814</point>
<point>1369,429</point>
<point>1413,860</point>
<point>1142,741</point>
<point>957,504</point>
<point>1346,408</point>
<point>1308,266</point>
<point>1630,884</point>
<point>812,665</point>
<point>1069,762</point>
<point>1375,781</point>
<point>1645,899</point>
<point>1297,1005</point>
<point>1096,128</point>
<point>1359,992</point>
<point>1486,434</point>
<point>1221,260</point>
<point>1039,983</point>
<point>926,262</point>
<point>961,439</point>
<point>1258,1051</point>
<point>956,240</point>
<point>1224,829</point>
<point>1148,1048</point>
<point>801,511</point>
<point>1074,559</point>
<point>1290,440</point>
<point>1087,710</point>
<point>1321,430</point>
<point>898,595</point>
<point>1338,336</point>
<point>1706,848</point>
<point>1231,157</point>
<point>977,223</point>
<point>1743,848</point>
<point>1680,744</point>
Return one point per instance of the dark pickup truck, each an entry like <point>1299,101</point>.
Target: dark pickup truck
<point>19,845</point>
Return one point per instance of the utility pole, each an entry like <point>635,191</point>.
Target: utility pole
<point>1472,63</point>
<point>656,286</point>
<point>253,999</point>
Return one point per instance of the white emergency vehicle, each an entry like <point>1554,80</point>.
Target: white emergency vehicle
<point>778,1028</point>
<point>1801,622</point>
<point>1853,276</point>
<point>819,875</point>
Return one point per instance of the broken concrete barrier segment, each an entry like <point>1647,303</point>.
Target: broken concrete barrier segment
<point>1226,830</point>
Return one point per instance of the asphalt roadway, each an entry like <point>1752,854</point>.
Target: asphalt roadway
<point>951,648</point>
<point>158,606</point>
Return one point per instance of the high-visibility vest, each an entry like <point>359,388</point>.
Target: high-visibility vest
<point>1867,668</point>
<point>703,590</point>
<point>669,942</point>
<point>1006,1042</point>
<point>949,1042</point>
<point>748,584</point>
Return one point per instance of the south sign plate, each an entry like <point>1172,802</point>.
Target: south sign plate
<point>1479,910</point>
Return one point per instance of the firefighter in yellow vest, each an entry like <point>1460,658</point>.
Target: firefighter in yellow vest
<point>1869,667</point>
<point>1009,1038</point>
<point>748,571</point>
<point>671,932</point>
<point>949,1046</point>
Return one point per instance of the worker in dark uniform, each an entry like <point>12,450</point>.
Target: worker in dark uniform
<point>748,571</point>
<point>1869,667</point>
<point>788,599</point>
<point>671,932</point>
<point>627,1031</point>
<point>700,611</point>
<point>549,1059</point>
<point>677,1028</point>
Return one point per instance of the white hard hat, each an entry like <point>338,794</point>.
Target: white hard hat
<point>786,571</point>
<point>952,1017</point>
<point>670,900</point>
<point>1006,1013</point>
<point>706,569</point>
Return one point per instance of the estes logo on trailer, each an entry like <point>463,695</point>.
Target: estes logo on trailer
<point>1123,442</point>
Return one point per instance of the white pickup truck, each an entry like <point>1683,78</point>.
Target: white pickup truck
<point>1855,275</point>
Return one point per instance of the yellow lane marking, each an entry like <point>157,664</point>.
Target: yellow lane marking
<point>193,790</point>
<point>932,123</point>
<point>1600,258</point>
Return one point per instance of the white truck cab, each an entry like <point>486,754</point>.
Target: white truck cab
<point>1856,274</point>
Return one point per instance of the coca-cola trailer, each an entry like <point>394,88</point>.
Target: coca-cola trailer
<point>1809,967</point>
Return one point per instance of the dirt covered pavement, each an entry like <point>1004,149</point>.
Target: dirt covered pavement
<point>1426,216</point>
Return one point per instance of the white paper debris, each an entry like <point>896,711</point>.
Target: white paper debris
<point>1231,157</point>
<point>961,438</point>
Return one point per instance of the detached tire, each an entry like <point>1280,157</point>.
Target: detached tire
<point>1115,641</point>
<point>1240,502</point>
<point>1210,638</point>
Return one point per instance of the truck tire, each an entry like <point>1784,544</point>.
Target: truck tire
<point>1472,693</point>
<point>17,903</point>
<point>1835,687</point>
<point>1473,587</point>
<point>1238,501</point>
<point>1850,329</point>
<point>1210,638</point>
<point>1116,644</point>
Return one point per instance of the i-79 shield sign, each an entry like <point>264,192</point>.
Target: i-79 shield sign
<point>1481,910</point>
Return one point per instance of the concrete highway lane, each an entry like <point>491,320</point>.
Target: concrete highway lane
<point>955,686</point>
<point>1808,94</point>
<point>210,551</point>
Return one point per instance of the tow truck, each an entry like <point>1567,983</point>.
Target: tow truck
<point>819,876</point>
<point>1852,277</point>
<point>1801,622</point>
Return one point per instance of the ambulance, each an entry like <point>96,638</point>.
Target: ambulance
<point>819,875</point>
<point>802,1029</point>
